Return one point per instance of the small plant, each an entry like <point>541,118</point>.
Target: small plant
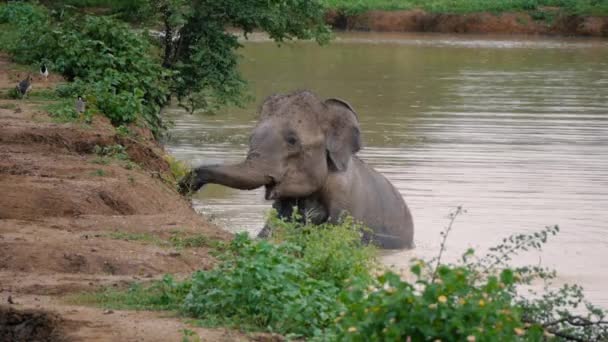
<point>64,111</point>
<point>190,336</point>
<point>123,131</point>
<point>13,93</point>
<point>179,169</point>
<point>99,173</point>
<point>126,236</point>
<point>180,240</point>
<point>115,151</point>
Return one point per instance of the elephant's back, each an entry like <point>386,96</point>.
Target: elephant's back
<point>384,208</point>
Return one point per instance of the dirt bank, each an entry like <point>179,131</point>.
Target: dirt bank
<point>547,22</point>
<point>72,220</point>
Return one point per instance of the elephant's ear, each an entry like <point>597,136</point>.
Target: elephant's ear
<point>343,135</point>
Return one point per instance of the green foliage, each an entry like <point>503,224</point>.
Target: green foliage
<point>113,151</point>
<point>265,285</point>
<point>126,236</point>
<point>333,253</point>
<point>64,111</point>
<point>179,169</point>
<point>581,7</point>
<point>455,307</point>
<point>113,67</point>
<point>181,240</point>
<point>13,93</point>
<point>280,287</point>
<point>202,54</point>
<point>476,299</point>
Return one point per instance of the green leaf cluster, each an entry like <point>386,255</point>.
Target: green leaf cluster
<point>109,64</point>
<point>264,285</point>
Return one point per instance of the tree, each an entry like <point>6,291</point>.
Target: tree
<point>199,43</point>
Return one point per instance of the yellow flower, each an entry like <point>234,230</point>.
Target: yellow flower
<point>461,301</point>
<point>433,306</point>
<point>519,331</point>
<point>470,338</point>
<point>442,299</point>
<point>352,329</point>
<point>482,303</point>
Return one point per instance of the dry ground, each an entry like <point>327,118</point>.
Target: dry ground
<point>59,209</point>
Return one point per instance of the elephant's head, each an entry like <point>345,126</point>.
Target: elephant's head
<point>298,140</point>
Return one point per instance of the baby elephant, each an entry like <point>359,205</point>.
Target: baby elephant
<point>303,151</point>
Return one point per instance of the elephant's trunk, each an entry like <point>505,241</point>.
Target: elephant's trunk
<point>243,176</point>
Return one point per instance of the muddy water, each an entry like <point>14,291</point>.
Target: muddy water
<point>514,130</point>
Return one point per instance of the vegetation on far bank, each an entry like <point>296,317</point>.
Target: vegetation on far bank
<point>320,283</point>
<point>577,7</point>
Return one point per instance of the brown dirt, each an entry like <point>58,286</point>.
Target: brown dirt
<point>58,210</point>
<point>480,23</point>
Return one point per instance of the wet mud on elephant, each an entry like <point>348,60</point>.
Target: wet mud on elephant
<point>303,151</point>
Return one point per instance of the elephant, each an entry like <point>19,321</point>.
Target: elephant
<point>303,151</point>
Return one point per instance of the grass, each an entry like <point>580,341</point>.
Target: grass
<point>580,7</point>
<point>165,294</point>
<point>177,239</point>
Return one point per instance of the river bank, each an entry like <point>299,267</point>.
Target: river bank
<point>549,21</point>
<point>74,219</point>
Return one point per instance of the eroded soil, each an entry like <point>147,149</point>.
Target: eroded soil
<point>554,22</point>
<point>63,210</point>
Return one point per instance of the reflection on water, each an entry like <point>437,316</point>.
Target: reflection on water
<point>516,131</point>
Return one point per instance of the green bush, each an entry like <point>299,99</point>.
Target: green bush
<point>285,288</point>
<point>475,299</point>
<point>455,307</point>
<point>333,253</point>
<point>266,286</point>
<point>112,66</point>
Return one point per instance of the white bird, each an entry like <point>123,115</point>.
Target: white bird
<point>80,105</point>
<point>44,71</point>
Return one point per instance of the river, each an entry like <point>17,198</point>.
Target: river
<point>513,129</point>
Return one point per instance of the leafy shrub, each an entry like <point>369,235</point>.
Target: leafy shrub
<point>275,287</point>
<point>476,299</point>
<point>333,253</point>
<point>112,66</point>
<point>64,111</point>
<point>455,307</point>
<point>264,285</point>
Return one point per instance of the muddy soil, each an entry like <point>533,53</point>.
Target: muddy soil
<point>61,210</point>
<point>554,23</point>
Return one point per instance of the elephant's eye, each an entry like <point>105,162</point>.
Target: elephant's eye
<point>292,140</point>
